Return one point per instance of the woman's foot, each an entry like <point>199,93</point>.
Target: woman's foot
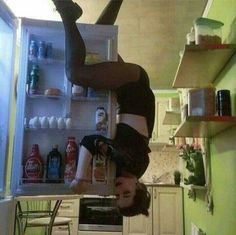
<point>68,9</point>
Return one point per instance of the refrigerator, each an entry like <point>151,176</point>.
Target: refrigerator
<point>38,104</point>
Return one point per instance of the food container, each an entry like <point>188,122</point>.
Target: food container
<point>207,31</point>
<point>201,102</point>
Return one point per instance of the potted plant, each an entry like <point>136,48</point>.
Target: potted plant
<point>193,157</point>
<point>177,177</point>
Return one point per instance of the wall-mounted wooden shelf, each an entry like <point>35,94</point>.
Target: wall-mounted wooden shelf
<point>204,126</point>
<point>192,189</point>
<point>172,118</point>
<point>200,65</point>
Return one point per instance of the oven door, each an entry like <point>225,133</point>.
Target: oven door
<point>99,214</point>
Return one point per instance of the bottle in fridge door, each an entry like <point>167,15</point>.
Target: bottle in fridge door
<point>71,160</point>
<point>54,166</point>
<point>33,166</point>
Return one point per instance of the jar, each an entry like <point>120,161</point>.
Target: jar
<point>207,31</point>
<point>223,103</point>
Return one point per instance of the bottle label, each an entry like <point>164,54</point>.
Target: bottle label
<point>54,168</point>
<point>101,119</point>
<point>33,168</point>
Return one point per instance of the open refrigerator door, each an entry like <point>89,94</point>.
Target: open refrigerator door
<point>8,27</point>
<point>50,109</point>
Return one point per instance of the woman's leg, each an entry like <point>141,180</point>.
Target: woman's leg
<point>106,75</point>
<point>110,12</point>
<point>109,15</point>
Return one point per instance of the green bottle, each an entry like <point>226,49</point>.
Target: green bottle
<point>33,80</point>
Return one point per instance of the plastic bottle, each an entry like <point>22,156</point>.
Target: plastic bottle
<point>54,165</point>
<point>71,160</point>
<point>42,50</point>
<point>33,80</point>
<point>101,119</point>
<point>33,50</point>
<point>33,167</point>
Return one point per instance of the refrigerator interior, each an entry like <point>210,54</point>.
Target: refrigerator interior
<point>101,45</point>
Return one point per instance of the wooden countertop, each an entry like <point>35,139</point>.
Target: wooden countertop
<point>47,197</point>
<point>160,184</point>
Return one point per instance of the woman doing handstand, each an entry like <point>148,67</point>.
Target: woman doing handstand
<point>129,148</point>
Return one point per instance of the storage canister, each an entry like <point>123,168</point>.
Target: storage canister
<point>207,31</point>
<point>223,103</point>
<point>201,102</point>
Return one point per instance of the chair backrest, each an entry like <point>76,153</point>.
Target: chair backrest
<point>35,208</point>
<point>38,206</point>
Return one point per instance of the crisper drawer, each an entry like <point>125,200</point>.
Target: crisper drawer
<point>63,230</point>
<point>69,208</point>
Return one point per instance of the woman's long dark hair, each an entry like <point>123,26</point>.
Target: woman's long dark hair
<point>141,202</point>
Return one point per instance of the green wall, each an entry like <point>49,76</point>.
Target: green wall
<point>222,148</point>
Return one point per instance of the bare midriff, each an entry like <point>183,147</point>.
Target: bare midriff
<point>137,122</point>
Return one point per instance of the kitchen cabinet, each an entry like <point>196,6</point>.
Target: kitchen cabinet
<point>70,209</point>
<point>98,233</point>
<point>165,214</point>
<point>161,132</point>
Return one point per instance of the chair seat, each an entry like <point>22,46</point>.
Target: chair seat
<point>46,220</point>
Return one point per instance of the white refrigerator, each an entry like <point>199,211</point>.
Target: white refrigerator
<point>101,45</point>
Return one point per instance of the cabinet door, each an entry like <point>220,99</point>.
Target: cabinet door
<point>161,132</point>
<point>138,225</point>
<point>63,230</point>
<point>69,208</point>
<point>167,211</point>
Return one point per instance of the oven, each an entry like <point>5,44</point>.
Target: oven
<point>99,214</point>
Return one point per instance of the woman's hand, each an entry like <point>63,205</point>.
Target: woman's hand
<point>79,186</point>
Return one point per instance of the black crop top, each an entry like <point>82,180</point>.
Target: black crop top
<point>137,98</point>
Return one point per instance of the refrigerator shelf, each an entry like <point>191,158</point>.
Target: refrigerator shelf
<point>89,99</point>
<point>47,61</point>
<point>56,130</point>
<point>39,96</point>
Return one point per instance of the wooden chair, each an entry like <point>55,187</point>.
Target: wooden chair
<point>40,214</point>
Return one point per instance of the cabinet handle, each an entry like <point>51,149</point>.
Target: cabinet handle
<point>64,206</point>
<point>62,228</point>
<point>155,193</point>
